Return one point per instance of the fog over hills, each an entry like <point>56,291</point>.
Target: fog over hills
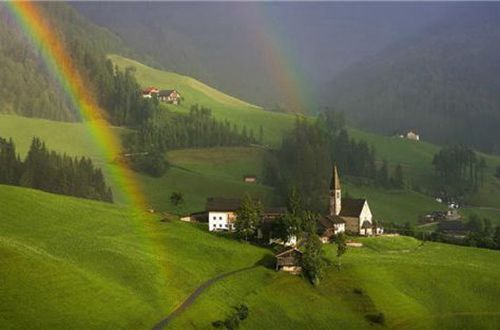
<point>389,66</point>
<point>443,82</point>
<point>219,43</point>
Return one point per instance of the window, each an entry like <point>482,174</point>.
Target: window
<point>220,225</point>
<point>214,217</point>
<point>220,218</point>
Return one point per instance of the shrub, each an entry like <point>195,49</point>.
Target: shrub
<point>242,312</point>
<point>378,318</point>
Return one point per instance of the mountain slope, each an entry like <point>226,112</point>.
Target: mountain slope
<point>444,83</point>
<point>250,49</point>
<point>26,85</point>
<point>224,107</point>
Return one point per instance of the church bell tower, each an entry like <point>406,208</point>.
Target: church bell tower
<point>335,193</point>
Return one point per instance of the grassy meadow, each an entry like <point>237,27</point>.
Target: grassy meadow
<point>69,263</point>
<point>415,286</point>
<point>112,267</point>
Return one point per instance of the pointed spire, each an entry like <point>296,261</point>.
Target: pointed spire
<point>335,184</point>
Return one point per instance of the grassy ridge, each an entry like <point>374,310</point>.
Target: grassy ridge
<point>223,106</point>
<point>107,267</point>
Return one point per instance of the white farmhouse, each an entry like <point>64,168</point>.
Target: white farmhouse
<point>222,213</point>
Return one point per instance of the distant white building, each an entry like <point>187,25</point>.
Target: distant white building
<point>410,135</point>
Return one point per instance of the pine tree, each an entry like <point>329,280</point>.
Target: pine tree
<point>398,178</point>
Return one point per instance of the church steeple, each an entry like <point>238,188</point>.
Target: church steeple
<point>335,193</point>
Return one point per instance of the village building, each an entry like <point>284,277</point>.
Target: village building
<point>346,214</point>
<point>170,96</point>
<point>222,213</point>
<point>149,92</point>
<point>290,261</point>
<point>250,179</point>
<point>410,135</point>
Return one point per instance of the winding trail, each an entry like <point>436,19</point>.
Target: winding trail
<point>190,300</point>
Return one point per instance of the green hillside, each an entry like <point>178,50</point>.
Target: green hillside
<point>415,286</point>
<point>200,173</point>
<point>416,157</point>
<point>223,106</point>
<point>197,173</point>
<point>113,268</point>
<point>107,267</point>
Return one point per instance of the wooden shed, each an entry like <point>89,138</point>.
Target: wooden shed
<point>289,261</point>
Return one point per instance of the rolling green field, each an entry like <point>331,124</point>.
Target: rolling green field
<point>416,159</point>
<point>201,173</point>
<point>112,267</point>
<point>197,173</point>
<point>223,106</point>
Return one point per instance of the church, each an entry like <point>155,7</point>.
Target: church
<point>346,214</point>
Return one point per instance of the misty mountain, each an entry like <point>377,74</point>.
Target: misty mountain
<point>444,83</point>
<point>256,51</point>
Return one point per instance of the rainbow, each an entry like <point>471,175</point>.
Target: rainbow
<point>58,61</point>
<point>277,56</point>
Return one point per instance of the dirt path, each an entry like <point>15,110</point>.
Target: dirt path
<point>190,300</point>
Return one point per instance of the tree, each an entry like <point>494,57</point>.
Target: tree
<point>398,178</point>
<point>496,237</point>
<point>383,175</point>
<point>476,224</point>
<point>294,202</point>
<point>341,242</point>
<point>176,198</point>
<point>248,218</point>
<point>497,172</point>
<point>312,260</point>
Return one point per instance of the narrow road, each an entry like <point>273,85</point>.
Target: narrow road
<point>190,300</point>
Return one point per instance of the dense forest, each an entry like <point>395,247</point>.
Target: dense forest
<point>304,161</point>
<point>443,83</point>
<point>52,172</point>
<point>29,89</point>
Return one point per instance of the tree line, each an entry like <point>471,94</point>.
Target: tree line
<point>168,130</point>
<point>307,153</point>
<point>52,172</point>
<point>459,170</point>
<point>477,232</point>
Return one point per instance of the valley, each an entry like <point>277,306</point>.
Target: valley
<point>198,210</point>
